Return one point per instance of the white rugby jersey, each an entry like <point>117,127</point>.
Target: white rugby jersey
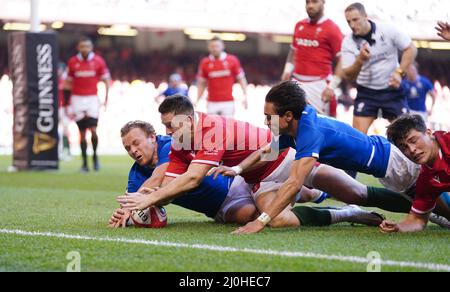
<point>376,72</point>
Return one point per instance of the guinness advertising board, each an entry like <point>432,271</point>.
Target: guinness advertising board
<point>33,59</point>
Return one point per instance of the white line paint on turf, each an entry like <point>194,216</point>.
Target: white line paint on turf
<point>291,254</point>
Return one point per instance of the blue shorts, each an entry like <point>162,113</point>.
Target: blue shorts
<point>369,102</point>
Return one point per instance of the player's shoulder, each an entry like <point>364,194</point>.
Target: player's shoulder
<point>98,58</point>
<point>425,80</point>
<point>348,42</point>
<point>209,120</point>
<point>231,57</point>
<point>386,28</point>
<point>443,139</point>
<point>72,60</point>
<point>309,116</point>
<point>331,25</point>
<point>309,111</point>
<point>164,140</point>
<point>205,60</point>
<point>302,22</point>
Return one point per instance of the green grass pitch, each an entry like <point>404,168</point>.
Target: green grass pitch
<point>67,202</point>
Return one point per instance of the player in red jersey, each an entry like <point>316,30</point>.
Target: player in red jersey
<point>432,151</point>
<point>316,44</point>
<point>85,70</point>
<point>219,71</point>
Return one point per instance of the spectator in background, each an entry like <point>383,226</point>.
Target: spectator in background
<point>218,72</point>
<point>417,88</point>
<point>370,56</point>
<point>443,29</point>
<point>85,70</point>
<point>175,86</point>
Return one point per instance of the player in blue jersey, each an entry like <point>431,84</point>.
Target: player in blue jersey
<point>316,138</point>
<point>175,86</point>
<point>230,201</point>
<point>226,200</point>
<point>416,88</point>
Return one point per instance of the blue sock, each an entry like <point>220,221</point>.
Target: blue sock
<point>322,198</point>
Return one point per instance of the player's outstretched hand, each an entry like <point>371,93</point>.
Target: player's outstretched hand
<point>389,227</point>
<point>134,201</point>
<point>223,170</point>
<point>443,29</point>
<point>251,227</point>
<point>119,218</point>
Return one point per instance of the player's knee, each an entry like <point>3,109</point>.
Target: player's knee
<point>249,213</point>
<point>242,214</point>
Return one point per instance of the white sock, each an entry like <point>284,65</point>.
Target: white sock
<point>340,215</point>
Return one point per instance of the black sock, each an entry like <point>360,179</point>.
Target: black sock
<point>310,216</point>
<point>94,140</point>
<point>388,200</point>
<point>83,145</point>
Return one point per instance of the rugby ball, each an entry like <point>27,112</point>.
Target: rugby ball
<point>153,217</point>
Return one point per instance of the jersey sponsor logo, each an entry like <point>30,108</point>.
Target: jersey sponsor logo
<point>212,152</point>
<point>85,74</point>
<point>218,74</point>
<point>307,43</point>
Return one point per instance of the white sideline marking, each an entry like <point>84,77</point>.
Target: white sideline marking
<point>291,254</point>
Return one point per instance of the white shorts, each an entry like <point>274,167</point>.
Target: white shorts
<point>225,109</point>
<point>85,106</point>
<point>276,179</point>
<point>401,173</point>
<point>240,193</point>
<point>314,90</point>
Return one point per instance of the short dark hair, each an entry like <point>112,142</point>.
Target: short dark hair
<point>144,126</point>
<point>357,6</point>
<point>216,38</point>
<point>177,104</point>
<point>84,39</point>
<point>288,97</point>
<point>401,127</point>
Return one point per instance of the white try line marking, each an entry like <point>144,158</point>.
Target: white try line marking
<point>291,254</point>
